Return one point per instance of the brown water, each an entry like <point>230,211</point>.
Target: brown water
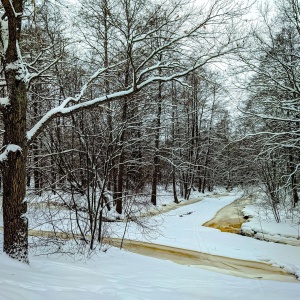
<point>221,264</point>
<point>230,218</point>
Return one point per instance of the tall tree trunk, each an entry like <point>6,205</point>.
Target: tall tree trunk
<point>205,181</point>
<point>112,182</point>
<point>14,187</point>
<point>174,96</point>
<point>295,196</point>
<point>36,170</point>
<point>121,169</point>
<point>35,149</point>
<point>121,172</point>
<point>155,173</point>
<point>14,119</point>
<point>122,157</point>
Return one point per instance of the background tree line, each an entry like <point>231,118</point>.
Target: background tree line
<point>271,110</point>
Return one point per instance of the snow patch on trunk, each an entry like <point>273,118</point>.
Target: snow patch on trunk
<point>9,148</point>
<point>4,101</point>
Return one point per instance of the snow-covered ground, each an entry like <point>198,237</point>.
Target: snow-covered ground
<point>180,229</point>
<point>117,274</point>
<point>263,226</point>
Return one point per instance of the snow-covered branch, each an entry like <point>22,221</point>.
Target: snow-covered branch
<point>145,63</point>
<point>66,109</point>
<point>40,72</point>
<point>16,14</point>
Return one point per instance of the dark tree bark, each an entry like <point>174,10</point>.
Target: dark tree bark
<point>295,197</point>
<point>205,181</point>
<point>156,168</point>
<point>14,119</point>
<point>174,96</point>
<point>121,169</point>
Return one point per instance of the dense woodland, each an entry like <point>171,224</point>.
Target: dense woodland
<point>106,102</point>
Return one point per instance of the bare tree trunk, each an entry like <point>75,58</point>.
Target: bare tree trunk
<point>14,119</point>
<point>121,169</point>
<point>119,194</point>
<point>205,181</point>
<point>36,174</point>
<point>156,157</point>
<point>174,95</point>
<point>295,196</point>
<point>14,176</point>
<point>112,182</point>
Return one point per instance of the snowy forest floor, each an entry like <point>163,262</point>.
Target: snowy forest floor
<point>119,274</point>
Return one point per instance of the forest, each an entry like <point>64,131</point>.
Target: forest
<point>106,104</point>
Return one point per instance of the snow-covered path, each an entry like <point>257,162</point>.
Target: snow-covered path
<point>183,228</point>
<point>221,264</point>
<point>127,276</point>
<point>120,275</point>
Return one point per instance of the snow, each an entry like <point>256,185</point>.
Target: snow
<point>126,276</point>
<point>117,274</point>
<point>63,110</point>
<point>262,224</point>
<point>4,34</point>
<point>4,101</point>
<point>187,232</point>
<point>9,148</point>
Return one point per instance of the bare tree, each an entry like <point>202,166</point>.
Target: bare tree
<point>273,103</point>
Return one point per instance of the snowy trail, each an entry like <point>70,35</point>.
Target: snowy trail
<point>199,258</point>
<point>122,275</point>
<point>221,264</point>
<point>183,228</point>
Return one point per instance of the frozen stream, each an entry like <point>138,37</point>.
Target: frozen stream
<point>228,219</point>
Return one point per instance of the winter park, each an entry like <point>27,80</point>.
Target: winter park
<point>150,149</point>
